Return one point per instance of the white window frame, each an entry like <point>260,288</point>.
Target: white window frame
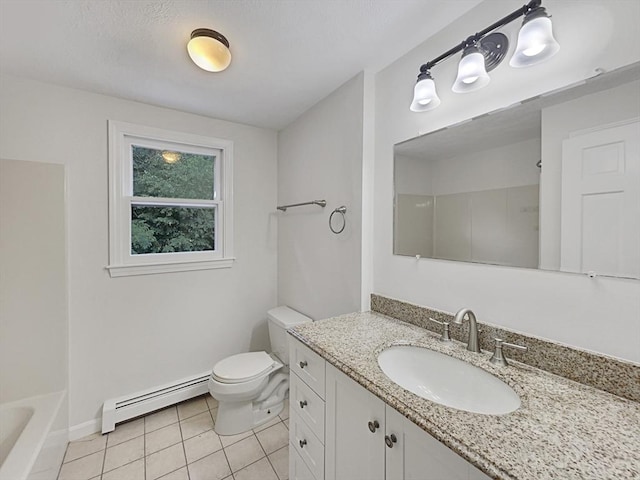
<point>121,262</point>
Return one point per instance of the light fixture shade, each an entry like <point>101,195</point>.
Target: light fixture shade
<point>209,50</point>
<point>472,73</point>
<point>425,97</point>
<point>170,156</point>
<point>535,40</point>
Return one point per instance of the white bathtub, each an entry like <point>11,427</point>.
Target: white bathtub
<point>25,426</point>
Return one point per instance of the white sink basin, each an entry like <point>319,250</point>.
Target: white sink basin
<point>447,380</point>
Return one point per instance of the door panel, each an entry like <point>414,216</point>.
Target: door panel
<point>352,451</point>
<point>600,229</point>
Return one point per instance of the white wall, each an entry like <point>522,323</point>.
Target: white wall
<point>413,175</point>
<point>598,314</point>
<point>320,157</point>
<point>506,166</point>
<point>33,280</point>
<point>132,333</point>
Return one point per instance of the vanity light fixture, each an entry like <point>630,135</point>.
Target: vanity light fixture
<point>472,73</point>
<point>209,50</point>
<point>485,50</point>
<point>535,39</point>
<point>425,97</point>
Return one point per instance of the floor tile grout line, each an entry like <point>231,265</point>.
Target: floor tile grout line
<point>223,447</point>
<point>256,461</point>
<point>65,454</point>
<point>272,467</point>
<point>184,451</point>
<point>186,460</point>
<point>281,448</point>
<point>267,454</point>
<point>104,458</point>
<point>144,448</point>
<point>169,473</point>
<point>224,452</point>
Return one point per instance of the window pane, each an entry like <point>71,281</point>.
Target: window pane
<point>171,229</point>
<point>172,174</point>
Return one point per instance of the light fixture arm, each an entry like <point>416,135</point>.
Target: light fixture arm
<point>532,5</point>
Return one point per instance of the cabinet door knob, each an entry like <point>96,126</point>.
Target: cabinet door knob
<point>302,443</point>
<point>390,440</point>
<point>373,426</point>
<point>303,364</point>
<point>303,403</point>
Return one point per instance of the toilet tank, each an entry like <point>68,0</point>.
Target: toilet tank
<point>280,319</point>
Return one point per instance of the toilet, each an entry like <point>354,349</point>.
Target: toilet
<point>251,387</point>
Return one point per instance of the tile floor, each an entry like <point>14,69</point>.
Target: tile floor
<point>178,443</point>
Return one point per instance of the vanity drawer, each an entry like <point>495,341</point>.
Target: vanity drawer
<point>307,445</point>
<point>308,365</point>
<point>309,407</point>
<point>298,470</point>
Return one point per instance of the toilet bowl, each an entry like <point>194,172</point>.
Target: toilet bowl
<point>251,387</point>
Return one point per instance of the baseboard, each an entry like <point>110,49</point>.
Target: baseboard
<point>82,430</point>
<point>136,404</point>
<point>141,403</point>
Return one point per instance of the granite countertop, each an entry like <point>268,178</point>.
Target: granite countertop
<point>563,429</point>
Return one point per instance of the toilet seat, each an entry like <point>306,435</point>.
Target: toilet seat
<point>243,367</point>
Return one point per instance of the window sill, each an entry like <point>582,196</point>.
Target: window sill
<point>154,268</point>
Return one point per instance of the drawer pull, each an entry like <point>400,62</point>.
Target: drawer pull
<point>303,403</point>
<point>302,443</point>
<point>373,426</point>
<point>390,440</point>
<point>303,364</point>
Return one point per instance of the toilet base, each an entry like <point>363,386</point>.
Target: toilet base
<point>239,417</point>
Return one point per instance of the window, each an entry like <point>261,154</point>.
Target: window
<point>170,204</point>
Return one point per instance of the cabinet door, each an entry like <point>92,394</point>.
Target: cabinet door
<point>416,455</point>
<point>352,450</point>
<point>298,470</point>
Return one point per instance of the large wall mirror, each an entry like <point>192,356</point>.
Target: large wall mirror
<point>550,183</point>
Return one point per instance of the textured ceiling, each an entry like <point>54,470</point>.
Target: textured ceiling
<point>287,54</point>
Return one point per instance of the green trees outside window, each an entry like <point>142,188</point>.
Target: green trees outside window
<point>172,226</point>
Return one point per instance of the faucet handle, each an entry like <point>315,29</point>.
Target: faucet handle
<point>445,332</point>
<point>498,357</point>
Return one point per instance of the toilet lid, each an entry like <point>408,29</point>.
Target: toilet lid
<point>243,367</point>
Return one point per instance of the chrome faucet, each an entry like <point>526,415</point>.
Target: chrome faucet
<point>473,345</point>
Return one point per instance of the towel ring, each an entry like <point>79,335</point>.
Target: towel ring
<point>341,210</point>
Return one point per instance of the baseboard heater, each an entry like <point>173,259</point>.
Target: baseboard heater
<point>120,409</point>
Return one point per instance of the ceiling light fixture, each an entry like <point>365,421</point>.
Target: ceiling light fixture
<point>484,51</point>
<point>170,156</point>
<point>209,50</point>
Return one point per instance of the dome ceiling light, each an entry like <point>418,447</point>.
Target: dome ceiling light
<point>209,50</point>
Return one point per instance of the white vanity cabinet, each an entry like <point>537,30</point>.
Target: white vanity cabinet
<point>416,455</point>
<point>338,430</point>
<point>354,430</point>
<point>368,440</point>
<point>306,413</point>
